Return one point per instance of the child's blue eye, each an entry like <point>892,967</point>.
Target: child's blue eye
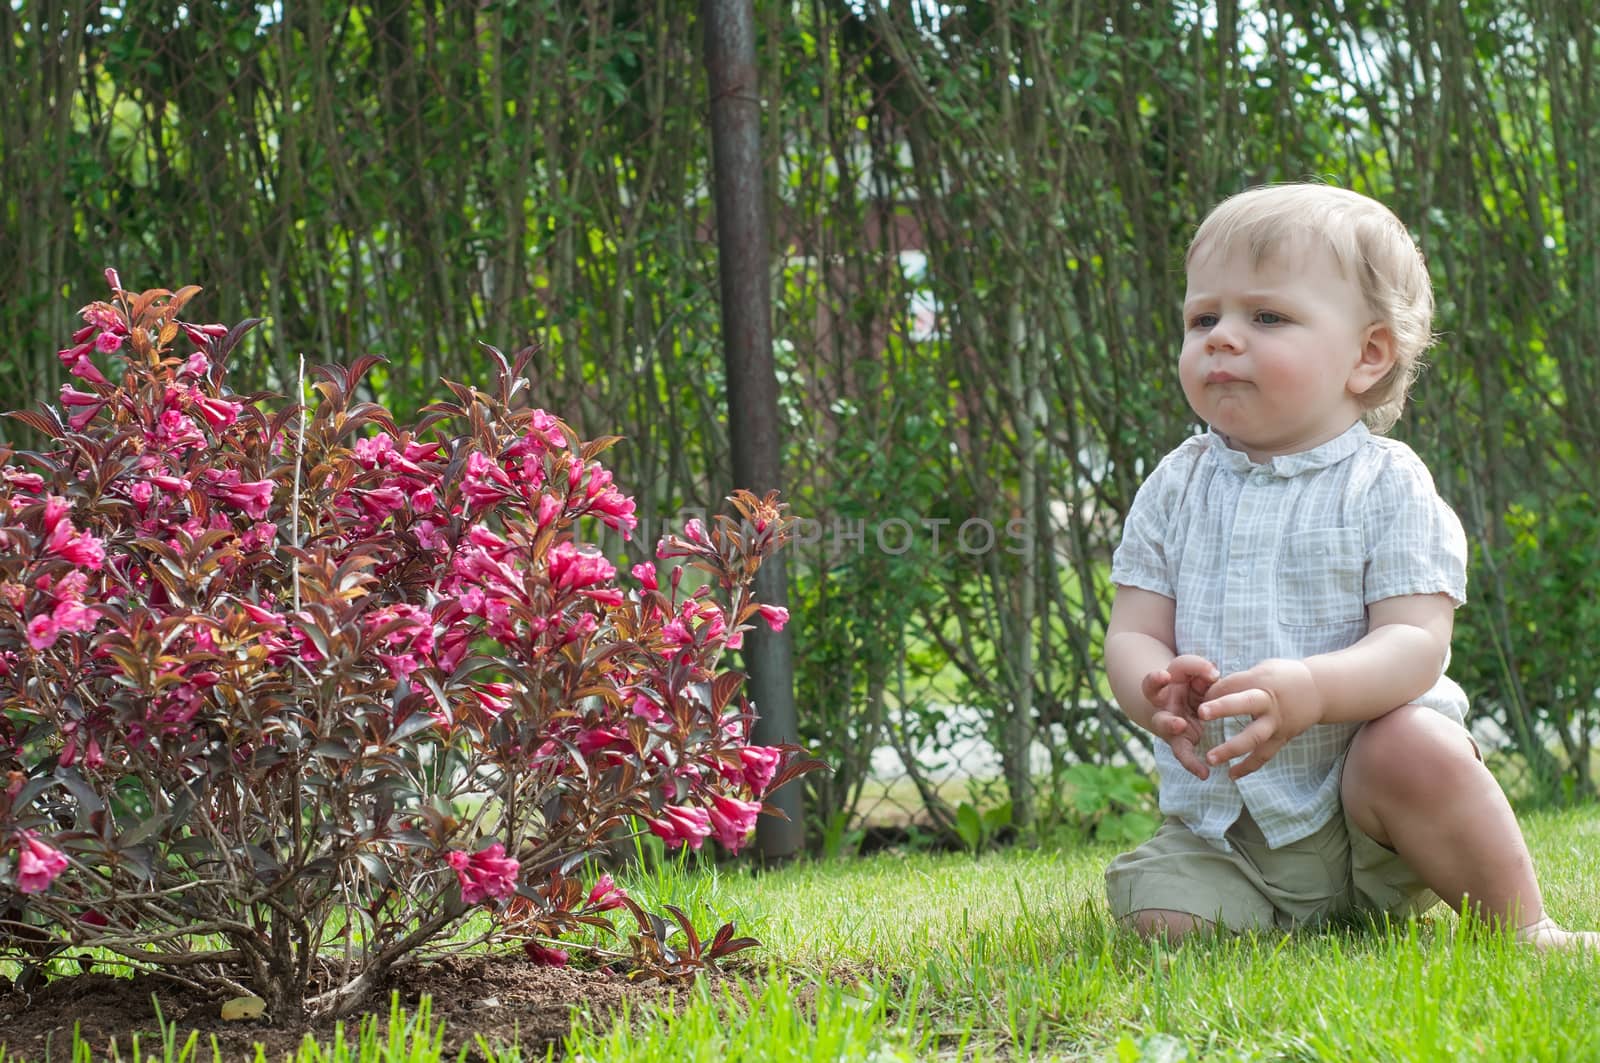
<point>1267,317</point>
<point>1203,321</point>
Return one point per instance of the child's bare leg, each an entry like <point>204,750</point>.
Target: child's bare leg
<point>1171,927</point>
<point>1413,782</point>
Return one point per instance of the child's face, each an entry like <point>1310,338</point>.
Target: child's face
<point>1276,354</point>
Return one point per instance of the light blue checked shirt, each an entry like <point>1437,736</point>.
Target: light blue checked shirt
<point>1281,559</point>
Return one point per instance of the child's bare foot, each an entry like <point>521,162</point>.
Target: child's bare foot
<point>1548,934</point>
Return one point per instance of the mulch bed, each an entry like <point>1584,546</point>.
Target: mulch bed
<point>504,998</point>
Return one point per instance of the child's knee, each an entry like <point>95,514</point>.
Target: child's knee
<point>1410,754</point>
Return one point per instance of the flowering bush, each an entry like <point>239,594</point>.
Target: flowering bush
<point>288,694</point>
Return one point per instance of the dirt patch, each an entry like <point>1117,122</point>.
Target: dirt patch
<point>506,999</point>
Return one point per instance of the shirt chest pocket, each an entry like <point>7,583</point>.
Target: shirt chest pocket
<point>1320,578</point>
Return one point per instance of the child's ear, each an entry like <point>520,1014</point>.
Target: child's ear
<point>1377,358</point>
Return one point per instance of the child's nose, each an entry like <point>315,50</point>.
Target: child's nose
<point>1224,336</point>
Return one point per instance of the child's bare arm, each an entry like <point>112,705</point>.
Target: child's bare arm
<point>1157,689</point>
<point>1401,656</point>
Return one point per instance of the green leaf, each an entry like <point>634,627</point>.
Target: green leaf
<point>969,827</point>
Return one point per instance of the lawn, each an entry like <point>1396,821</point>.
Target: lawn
<point>1009,956</point>
<point>913,956</point>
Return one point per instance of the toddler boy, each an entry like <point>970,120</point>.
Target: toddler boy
<point>1286,585</point>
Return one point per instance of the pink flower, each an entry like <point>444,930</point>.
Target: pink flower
<point>606,894</point>
<point>547,957</point>
<point>645,573</point>
<point>494,697</point>
<point>643,706</point>
<point>616,511</point>
<point>218,413</point>
<point>29,482</point>
<point>732,819</point>
<point>262,616</point>
<point>70,355</point>
<point>103,315</point>
<point>695,531</point>
<point>55,511</point>
<point>376,451</point>
<point>409,630</point>
<point>531,474</point>
<point>430,534</point>
<point>43,631</point>
<point>66,541</point>
<point>85,549</point>
<point>453,646</point>
<point>415,451</point>
<point>760,764</point>
<point>775,615</point>
<point>253,496</point>
<point>680,824</point>
<point>78,362</point>
<point>485,483</point>
<point>73,615</point>
<point>37,864</point>
<point>107,342</point>
<point>259,536</point>
<point>70,396</point>
<point>592,741</point>
<point>177,430</point>
<point>713,622</point>
<point>200,335</point>
<point>573,569</point>
<point>544,428</point>
<point>486,873</point>
<point>84,369</point>
<point>379,502</point>
<point>480,536</point>
<point>614,508</point>
<point>676,632</point>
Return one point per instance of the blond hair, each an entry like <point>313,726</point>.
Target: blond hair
<point>1368,243</point>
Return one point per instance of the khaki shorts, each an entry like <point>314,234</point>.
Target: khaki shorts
<point>1337,872</point>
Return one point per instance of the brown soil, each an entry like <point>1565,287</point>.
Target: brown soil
<point>506,999</point>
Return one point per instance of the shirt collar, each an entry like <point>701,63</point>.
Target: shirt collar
<point>1332,452</point>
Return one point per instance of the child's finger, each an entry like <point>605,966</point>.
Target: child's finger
<point>1154,684</point>
<point>1193,667</point>
<point>1258,759</point>
<point>1249,740</point>
<point>1185,752</point>
<point>1168,724</point>
<point>1251,702</point>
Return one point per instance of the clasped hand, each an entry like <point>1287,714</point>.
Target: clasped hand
<point>1177,692</point>
<point>1280,695</point>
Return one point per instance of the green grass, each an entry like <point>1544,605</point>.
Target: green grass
<point>1009,956</point>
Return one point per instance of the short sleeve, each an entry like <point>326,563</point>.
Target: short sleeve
<point>1415,543</point>
<point>1141,558</point>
